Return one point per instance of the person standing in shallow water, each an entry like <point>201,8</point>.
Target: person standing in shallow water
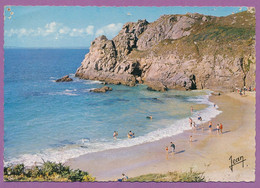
<point>190,120</point>
<point>115,134</point>
<point>210,126</point>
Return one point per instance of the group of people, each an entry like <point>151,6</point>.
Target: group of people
<point>242,91</point>
<point>172,145</point>
<point>219,127</point>
<point>130,134</point>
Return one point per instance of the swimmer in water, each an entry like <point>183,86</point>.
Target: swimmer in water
<point>130,134</point>
<point>115,135</point>
<point>190,120</point>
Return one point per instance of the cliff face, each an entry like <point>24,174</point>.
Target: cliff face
<point>189,51</point>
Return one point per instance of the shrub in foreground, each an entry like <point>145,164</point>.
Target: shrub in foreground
<point>49,171</point>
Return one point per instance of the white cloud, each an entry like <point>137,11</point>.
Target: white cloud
<point>90,30</point>
<point>110,30</point>
<point>64,30</point>
<point>53,29</point>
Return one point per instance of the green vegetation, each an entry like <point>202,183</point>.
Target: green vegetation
<point>49,171</point>
<point>230,36</point>
<point>190,176</point>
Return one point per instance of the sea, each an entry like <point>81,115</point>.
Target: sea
<point>49,121</point>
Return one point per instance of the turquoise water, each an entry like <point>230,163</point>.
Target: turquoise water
<point>58,121</point>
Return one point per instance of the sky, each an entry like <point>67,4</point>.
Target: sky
<point>77,26</point>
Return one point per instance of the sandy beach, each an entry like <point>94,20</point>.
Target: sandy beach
<point>209,152</point>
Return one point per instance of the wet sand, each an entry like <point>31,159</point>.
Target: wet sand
<point>208,153</point>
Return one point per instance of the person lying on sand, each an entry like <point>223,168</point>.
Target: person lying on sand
<point>124,178</point>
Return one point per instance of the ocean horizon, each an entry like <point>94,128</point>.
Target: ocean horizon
<point>50,121</point>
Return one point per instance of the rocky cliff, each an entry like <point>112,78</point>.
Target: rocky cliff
<point>191,51</point>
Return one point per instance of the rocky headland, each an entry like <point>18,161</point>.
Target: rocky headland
<point>191,51</point>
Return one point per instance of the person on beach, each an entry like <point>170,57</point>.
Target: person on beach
<point>190,138</point>
<point>218,128</point>
<point>199,118</point>
<point>173,147</point>
<point>221,128</point>
<point>214,105</point>
<point>190,120</point>
<point>124,178</point>
<point>210,126</point>
<point>240,91</point>
<point>167,152</point>
<point>244,90</point>
<point>133,135</point>
<point>115,134</point>
<point>191,109</point>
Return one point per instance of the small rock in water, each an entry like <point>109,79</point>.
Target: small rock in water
<point>102,89</point>
<point>64,79</point>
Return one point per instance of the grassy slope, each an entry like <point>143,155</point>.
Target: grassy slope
<point>231,36</point>
<point>190,176</point>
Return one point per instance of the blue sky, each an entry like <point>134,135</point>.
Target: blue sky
<point>76,27</point>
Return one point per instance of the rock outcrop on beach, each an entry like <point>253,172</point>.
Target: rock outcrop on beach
<point>101,90</point>
<point>191,51</point>
<point>64,79</point>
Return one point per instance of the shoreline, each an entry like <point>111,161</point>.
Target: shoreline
<point>208,153</point>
